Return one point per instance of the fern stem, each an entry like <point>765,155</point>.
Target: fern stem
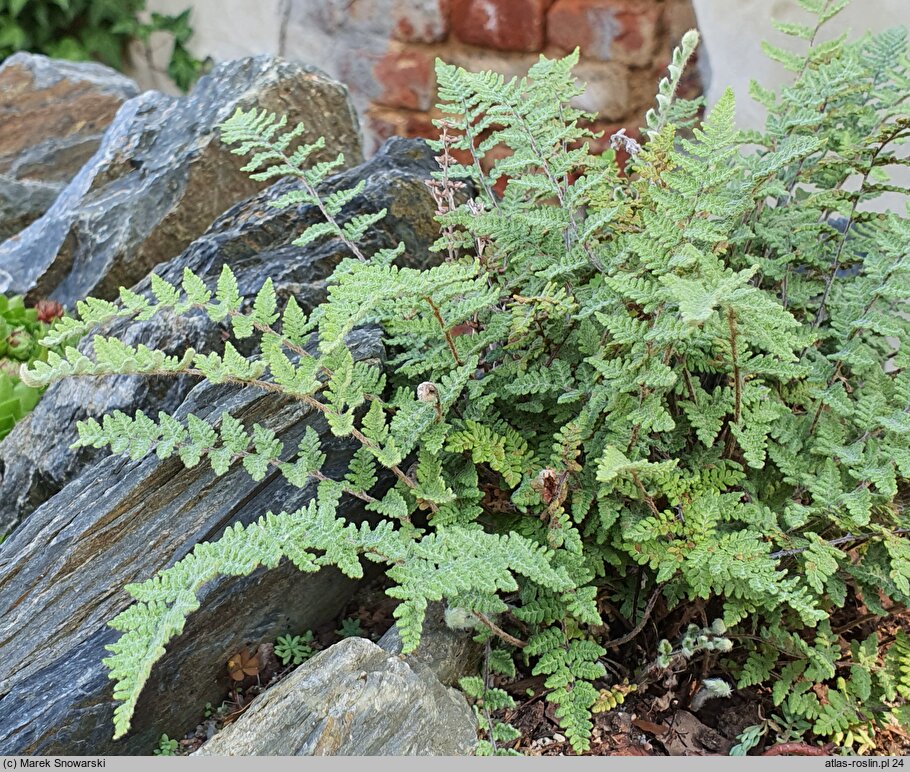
<point>300,174</point>
<point>362,495</point>
<point>843,240</point>
<point>834,542</point>
<point>687,377</point>
<point>286,342</point>
<point>560,193</point>
<point>499,632</point>
<point>647,497</point>
<point>275,389</point>
<point>652,601</point>
<point>737,380</point>
<point>443,189</point>
<point>445,330</point>
<point>469,135</point>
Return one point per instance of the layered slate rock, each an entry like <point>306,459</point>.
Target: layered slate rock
<point>161,176</point>
<point>254,239</point>
<point>22,202</point>
<point>62,571</point>
<point>52,116</point>
<point>62,574</point>
<point>353,699</point>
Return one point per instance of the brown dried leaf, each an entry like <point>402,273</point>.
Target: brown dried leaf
<point>244,663</point>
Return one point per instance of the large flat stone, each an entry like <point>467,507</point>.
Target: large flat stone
<point>62,576</point>
<point>52,116</point>
<point>254,239</point>
<point>161,176</point>
<point>353,699</point>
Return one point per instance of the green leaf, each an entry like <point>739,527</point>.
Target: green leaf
<point>265,305</point>
<point>612,463</point>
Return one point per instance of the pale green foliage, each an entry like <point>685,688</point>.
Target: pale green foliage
<point>487,700</point>
<point>747,739</point>
<point>695,640</point>
<point>841,709</point>
<point>688,382</point>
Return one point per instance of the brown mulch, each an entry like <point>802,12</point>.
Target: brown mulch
<point>647,724</point>
<point>656,721</point>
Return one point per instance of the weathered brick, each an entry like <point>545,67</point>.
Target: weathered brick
<point>420,21</point>
<point>506,25</point>
<point>408,21</point>
<point>510,65</point>
<point>606,89</point>
<point>624,31</point>
<point>384,123</point>
<point>679,18</point>
<point>489,161</point>
<point>406,78</point>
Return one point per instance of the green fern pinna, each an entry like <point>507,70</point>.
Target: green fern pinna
<point>619,389</point>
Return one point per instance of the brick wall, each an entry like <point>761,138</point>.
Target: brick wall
<point>384,50</point>
<point>625,46</point>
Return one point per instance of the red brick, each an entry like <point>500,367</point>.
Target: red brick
<point>420,125</point>
<point>624,31</point>
<point>679,18</point>
<point>385,123</point>
<point>420,21</point>
<point>489,161</point>
<point>493,155</point>
<point>506,25</point>
<point>406,78</point>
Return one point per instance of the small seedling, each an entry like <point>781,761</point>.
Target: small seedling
<point>166,746</point>
<point>350,628</point>
<point>244,663</point>
<point>294,649</point>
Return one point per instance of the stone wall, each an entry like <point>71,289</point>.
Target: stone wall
<point>384,50</point>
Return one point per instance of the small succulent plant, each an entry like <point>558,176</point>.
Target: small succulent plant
<point>294,649</point>
<point>20,330</point>
<point>166,746</point>
<point>350,628</point>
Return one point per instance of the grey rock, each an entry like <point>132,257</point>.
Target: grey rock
<point>161,176</point>
<point>62,574</point>
<point>22,202</point>
<point>116,521</point>
<point>446,653</point>
<point>353,699</point>
<point>52,116</point>
<point>54,113</point>
<point>254,239</point>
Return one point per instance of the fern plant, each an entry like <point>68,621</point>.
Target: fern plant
<point>682,381</point>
